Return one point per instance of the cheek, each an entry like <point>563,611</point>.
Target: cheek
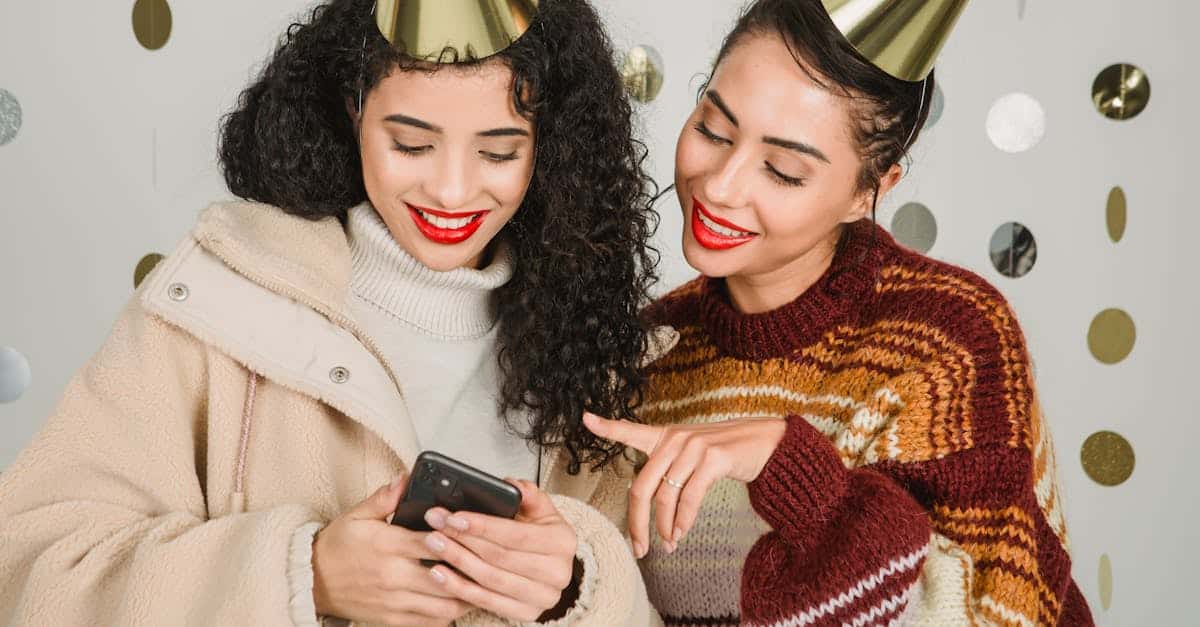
<point>691,158</point>
<point>388,173</point>
<point>376,160</point>
<point>799,213</point>
<point>510,184</point>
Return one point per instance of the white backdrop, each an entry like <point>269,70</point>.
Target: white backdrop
<point>116,155</point>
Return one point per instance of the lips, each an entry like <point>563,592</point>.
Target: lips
<point>442,227</point>
<point>714,233</point>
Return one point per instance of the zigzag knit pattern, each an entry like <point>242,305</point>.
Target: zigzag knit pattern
<point>915,481</point>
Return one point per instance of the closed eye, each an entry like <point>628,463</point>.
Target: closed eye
<point>499,158</point>
<point>711,136</point>
<point>790,181</point>
<point>411,150</point>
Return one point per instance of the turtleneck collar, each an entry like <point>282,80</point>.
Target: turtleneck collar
<point>459,304</point>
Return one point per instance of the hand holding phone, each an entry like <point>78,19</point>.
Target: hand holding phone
<point>528,563</point>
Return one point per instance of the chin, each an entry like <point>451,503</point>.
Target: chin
<point>714,264</point>
<point>443,260</point>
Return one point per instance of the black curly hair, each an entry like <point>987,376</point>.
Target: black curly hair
<point>569,332</point>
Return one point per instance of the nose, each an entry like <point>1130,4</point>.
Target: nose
<point>726,186</point>
<point>452,182</point>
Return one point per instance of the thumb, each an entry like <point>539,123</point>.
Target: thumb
<point>535,503</point>
<point>382,503</point>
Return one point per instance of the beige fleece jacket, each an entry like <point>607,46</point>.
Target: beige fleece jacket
<point>234,407</point>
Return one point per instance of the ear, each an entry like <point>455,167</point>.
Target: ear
<point>874,197</point>
<point>889,180</point>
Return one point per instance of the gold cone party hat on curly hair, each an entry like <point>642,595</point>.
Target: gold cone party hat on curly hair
<point>901,37</point>
<point>454,30</point>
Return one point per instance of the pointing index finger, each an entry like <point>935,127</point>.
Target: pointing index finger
<point>641,437</point>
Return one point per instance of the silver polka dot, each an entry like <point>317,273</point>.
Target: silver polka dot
<point>1016,123</point>
<point>339,375</point>
<point>178,292</point>
<point>15,374</point>
<point>1013,250</point>
<point>10,117</point>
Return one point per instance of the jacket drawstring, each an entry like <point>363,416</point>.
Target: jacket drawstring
<point>238,498</point>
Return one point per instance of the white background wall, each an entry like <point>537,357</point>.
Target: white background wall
<point>116,155</point>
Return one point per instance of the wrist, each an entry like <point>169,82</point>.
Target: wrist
<point>570,595</point>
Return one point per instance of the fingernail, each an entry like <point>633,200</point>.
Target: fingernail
<point>678,535</point>
<point>457,523</point>
<point>435,543</point>
<point>670,547</point>
<point>437,576</point>
<point>639,550</point>
<point>437,520</point>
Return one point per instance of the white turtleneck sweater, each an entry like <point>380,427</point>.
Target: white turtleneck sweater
<point>438,332</point>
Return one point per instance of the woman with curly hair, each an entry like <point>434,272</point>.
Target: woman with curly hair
<point>446,254</point>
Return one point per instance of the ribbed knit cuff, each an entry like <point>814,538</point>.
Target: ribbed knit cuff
<point>587,586</point>
<point>802,480</point>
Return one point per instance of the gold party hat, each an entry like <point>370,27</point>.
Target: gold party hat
<point>474,29</point>
<point>901,37</point>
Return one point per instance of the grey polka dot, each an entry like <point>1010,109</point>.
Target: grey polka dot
<point>915,227</point>
<point>10,117</point>
<point>936,107</point>
<point>15,375</point>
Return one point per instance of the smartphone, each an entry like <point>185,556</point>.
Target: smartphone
<point>440,481</point>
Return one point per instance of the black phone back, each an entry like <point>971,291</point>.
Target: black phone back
<point>441,481</point>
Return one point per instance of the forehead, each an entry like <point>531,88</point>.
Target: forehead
<point>450,96</point>
<point>768,90</point>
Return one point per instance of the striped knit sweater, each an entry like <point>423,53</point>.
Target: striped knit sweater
<point>915,482</point>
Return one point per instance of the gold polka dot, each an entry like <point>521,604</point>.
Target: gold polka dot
<point>152,23</point>
<point>1106,582</point>
<point>1112,336</point>
<point>642,73</point>
<point>1115,214</point>
<point>144,267</point>
<point>1121,91</point>
<point>1107,458</point>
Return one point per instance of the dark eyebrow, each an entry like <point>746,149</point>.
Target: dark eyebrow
<point>404,119</point>
<point>505,132</point>
<point>716,99</point>
<point>799,147</point>
<point>399,118</point>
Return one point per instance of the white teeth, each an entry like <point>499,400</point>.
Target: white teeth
<point>720,230</point>
<point>446,223</point>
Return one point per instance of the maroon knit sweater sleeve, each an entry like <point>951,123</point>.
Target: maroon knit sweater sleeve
<point>845,542</point>
<point>849,545</point>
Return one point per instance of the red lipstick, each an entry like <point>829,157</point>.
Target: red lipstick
<point>711,239</point>
<point>445,234</point>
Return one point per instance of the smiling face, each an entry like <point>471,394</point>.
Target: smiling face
<point>447,160</point>
<point>767,170</point>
